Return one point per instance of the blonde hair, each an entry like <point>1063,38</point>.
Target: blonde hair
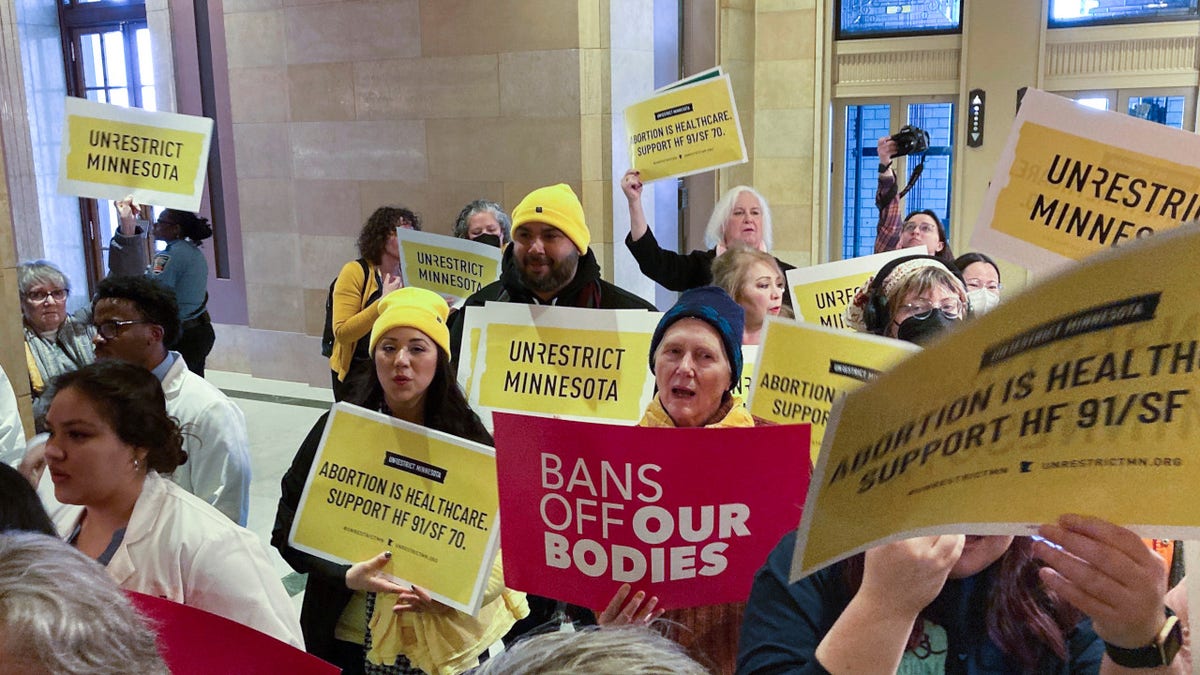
<point>714,233</point>
<point>595,651</point>
<point>731,269</point>
<point>921,281</point>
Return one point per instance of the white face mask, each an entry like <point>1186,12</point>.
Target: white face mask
<point>982,301</point>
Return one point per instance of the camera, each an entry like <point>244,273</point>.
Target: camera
<point>910,141</point>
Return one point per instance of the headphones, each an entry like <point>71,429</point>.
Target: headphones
<point>875,314</point>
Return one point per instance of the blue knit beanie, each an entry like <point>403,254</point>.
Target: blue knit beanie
<point>714,306</point>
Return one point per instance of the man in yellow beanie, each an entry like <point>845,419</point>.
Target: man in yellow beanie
<point>549,262</point>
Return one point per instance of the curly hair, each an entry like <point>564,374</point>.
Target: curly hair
<point>131,401</point>
<point>87,626</point>
<point>372,239</point>
<point>156,302</point>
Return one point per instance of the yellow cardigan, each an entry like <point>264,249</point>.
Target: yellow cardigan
<point>446,642</point>
<point>351,321</point>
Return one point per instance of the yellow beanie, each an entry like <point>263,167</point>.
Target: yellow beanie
<point>415,308</point>
<point>555,205</point>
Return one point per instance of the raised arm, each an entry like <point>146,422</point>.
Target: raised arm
<point>887,233</point>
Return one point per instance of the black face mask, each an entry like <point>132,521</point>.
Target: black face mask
<point>490,239</point>
<point>920,331</point>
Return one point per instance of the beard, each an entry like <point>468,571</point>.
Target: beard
<point>559,272</point>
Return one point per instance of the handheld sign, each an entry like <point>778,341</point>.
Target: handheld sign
<point>109,152</point>
<point>451,267</point>
<point>687,515</point>
<point>1073,181</point>
<point>821,293</point>
<point>803,370</point>
<point>378,483</point>
<point>1077,396</point>
<point>584,364</point>
<point>187,636</point>
<point>685,130</point>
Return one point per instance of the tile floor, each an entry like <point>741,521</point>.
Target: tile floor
<point>278,417</point>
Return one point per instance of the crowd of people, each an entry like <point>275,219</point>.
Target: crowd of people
<point>140,480</point>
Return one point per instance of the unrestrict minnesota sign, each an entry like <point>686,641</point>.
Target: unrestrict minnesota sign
<point>109,152</point>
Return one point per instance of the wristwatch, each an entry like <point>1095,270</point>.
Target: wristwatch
<point>884,167</point>
<point>1160,652</point>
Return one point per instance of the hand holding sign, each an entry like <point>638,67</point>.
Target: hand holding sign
<point>622,613</point>
<point>368,576</point>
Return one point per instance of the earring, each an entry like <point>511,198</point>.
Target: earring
<point>136,464</point>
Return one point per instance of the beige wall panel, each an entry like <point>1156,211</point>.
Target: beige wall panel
<point>353,31</point>
<point>597,210</point>
<point>328,207</point>
<point>240,6</point>
<point>271,258</point>
<point>765,6</point>
<point>320,260</point>
<point>540,151</point>
<point>263,150</point>
<point>786,35</point>
<point>267,205</point>
<point>595,81</point>
<point>321,92</point>
<point>737,33</point>
<point>784,84</point>
<point>259,94</point>
<point>359,150</point>
<point>463,86</point>
<point>784,133</point>
<point>232,352</point>
<point>314,309</point>
<point>288,356</point>
<point>458,27</point>
<point>792,225</point>
<point>275,306</point>
<point>538,84</point>
<point>437,203</point>
<point>255,39</point>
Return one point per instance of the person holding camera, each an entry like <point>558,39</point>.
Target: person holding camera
<point>919,227</point>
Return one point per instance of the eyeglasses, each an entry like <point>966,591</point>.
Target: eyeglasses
<point>40,296</point>
<point>913,226</point>
<point>921,309</point>
<point>110,329</point>
<point>976,284</point>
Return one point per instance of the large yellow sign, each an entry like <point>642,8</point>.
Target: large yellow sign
<point>804,369</point>
<point>1073,181</point>
<point>381,484</point>
<point>109,151</point>
<point>685,130</point>
<point>1079,395</point>
<point>584,364</point>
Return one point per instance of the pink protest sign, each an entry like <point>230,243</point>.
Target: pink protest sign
<point>194,642</point>
<point>688,515</point>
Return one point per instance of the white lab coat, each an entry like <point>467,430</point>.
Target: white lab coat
<point>180,548</point>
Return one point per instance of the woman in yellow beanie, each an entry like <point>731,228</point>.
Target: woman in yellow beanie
<point>408,632</point>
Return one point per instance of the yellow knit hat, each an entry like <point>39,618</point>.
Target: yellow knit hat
<point>555,205</point>
<point>416,308</point>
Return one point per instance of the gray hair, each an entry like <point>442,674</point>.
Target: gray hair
<point>715,232</point>
<point>61,613</point>
<point>631,649</point>
<point>34,272</point>
<point>483,206</point>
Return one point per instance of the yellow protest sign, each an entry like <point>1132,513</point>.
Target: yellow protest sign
<point>804,369</point>
<point>1073,181</point>
<point>685,130</point>
<point>749,360</point>
<point>821,293</point>
<point>582,364</point>
<point>378,483</point>
<point>109,151</point>
<point>452,267</point>
<point>1078,395</point>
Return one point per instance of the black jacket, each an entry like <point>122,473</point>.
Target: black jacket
<point>681,271</point>
<point>325,592</point>
<point>586,290</point>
